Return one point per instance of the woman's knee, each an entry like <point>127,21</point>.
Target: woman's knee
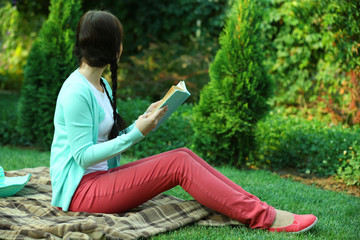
<point>183,159</point>
<point>183,155</point>
<point>187,150</point>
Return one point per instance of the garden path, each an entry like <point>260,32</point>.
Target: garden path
<point>327,183</point>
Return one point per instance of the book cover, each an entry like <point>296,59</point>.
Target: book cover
<point>176,96</point>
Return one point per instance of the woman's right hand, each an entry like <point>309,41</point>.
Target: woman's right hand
<point>145,123</point>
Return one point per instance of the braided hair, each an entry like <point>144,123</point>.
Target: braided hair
<point>99,36</point>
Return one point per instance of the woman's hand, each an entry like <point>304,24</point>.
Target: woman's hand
<point>152,106</point>
<point>145,123</point>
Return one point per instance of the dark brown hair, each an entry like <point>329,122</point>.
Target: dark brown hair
<point>99,37</point>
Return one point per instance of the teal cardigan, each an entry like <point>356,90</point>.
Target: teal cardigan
<point>76,120</point>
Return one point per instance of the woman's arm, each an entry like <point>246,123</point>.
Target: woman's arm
<point>79,122</point>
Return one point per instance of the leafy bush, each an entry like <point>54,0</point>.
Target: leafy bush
<point>49,63</point>
<point>235,98</point>
<point>344,105</point>
<point>308,146</point>
<point>293,47</point>
<point>312,47</point>
<point>174,133</point>
<point>349,169</point>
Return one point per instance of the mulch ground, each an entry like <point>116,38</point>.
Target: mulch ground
<point>329,183</point>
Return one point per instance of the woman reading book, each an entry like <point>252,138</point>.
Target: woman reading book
<point>90,136</point>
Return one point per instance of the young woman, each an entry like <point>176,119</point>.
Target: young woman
<point>90,136</point>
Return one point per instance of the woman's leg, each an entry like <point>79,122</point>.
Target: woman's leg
<point>218,174</point>
<point>134,184</point>
<point>199,160</point>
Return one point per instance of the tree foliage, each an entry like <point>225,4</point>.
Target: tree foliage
<point>31,8</point>
<point>164,20</point>
<point>235,98</point>
<point>160,66</point>
<point>49,63</point>
<point>167,21</point>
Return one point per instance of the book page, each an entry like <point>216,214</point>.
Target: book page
<point>181,85</point>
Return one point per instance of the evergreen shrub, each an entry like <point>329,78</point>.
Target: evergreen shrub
<point>8,131</point>
<point>236,96</point>
<point>307,146</point>
<point>174,133</point>
<point>49,63</point>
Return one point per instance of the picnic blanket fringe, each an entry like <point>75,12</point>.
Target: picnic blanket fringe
<point>29,215</point>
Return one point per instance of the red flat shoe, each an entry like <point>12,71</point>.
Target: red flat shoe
<point>301,224</point>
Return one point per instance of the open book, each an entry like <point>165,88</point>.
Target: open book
<point>173,99</point>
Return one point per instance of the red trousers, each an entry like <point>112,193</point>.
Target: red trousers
<point>125,187</point>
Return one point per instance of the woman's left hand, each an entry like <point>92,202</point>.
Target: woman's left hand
<point>152,106</point>
<point>147,122</point>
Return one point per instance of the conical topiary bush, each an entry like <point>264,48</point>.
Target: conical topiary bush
<point>236,96</point>
<point>49,63</point>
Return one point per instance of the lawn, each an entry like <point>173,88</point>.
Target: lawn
<point>338,213</point>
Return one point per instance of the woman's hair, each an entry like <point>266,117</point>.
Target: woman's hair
<point>98,43</point>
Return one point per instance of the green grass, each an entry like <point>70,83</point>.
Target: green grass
<point>338,213</point>
<point>12,158</point>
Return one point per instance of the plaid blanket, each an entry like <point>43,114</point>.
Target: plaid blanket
<point>29,215</point>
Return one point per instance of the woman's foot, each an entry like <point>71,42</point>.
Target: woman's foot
<point>289,222</point>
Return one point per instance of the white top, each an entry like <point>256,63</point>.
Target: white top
<point>104,127</point>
